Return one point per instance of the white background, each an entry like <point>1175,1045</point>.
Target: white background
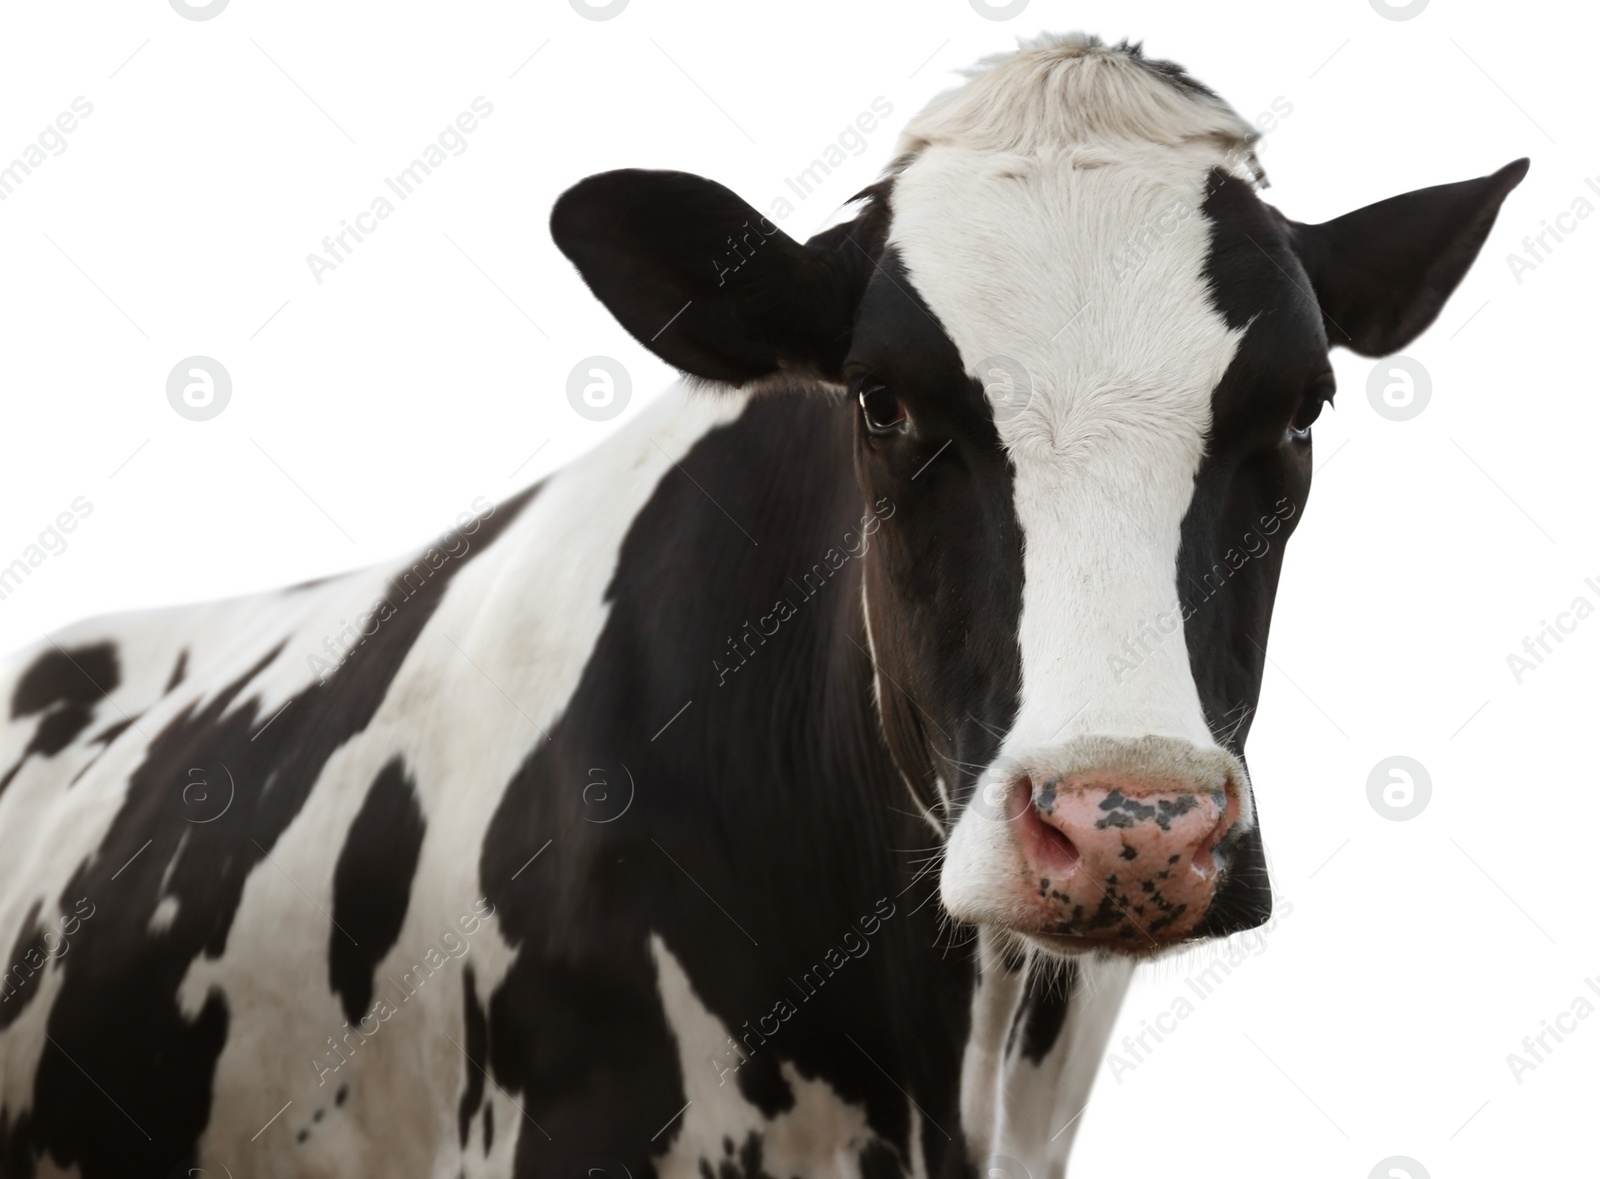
<point>368,410</point>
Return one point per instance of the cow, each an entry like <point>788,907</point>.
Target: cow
<point>789,787</point>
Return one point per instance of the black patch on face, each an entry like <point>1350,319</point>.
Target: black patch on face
<point>116,1017</point>
<point>477,1052</point>
<point>771,792</point>
<point>65,686</point>
<point>372,886</point>
<point>944,575</point>
<point>1249,493</point>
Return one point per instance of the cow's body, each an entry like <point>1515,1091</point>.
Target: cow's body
<point>605,836</point>
<point>199,992</point>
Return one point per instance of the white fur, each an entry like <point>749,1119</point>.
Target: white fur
<point>528,649</point>
<point>1073,91</point>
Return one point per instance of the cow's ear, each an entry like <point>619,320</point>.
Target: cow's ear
<point>1383,273</point>
<point>705,281</point>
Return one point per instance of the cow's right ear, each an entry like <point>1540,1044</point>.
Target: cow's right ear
<point>705,281</point>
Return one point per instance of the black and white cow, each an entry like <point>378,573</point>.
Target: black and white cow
<point>604,836</point>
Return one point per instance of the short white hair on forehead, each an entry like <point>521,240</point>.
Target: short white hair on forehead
<point>1058,92</point>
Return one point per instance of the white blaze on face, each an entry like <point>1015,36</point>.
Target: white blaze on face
<point>1032,261</point>
<point>1089,276</point>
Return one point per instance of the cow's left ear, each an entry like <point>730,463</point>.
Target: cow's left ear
<point>1383,273</point>
<point>706,282</point>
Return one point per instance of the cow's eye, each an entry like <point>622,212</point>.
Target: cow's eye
<point>883,412</point>
<point>1311,404</point>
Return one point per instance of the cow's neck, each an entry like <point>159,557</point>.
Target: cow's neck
<point>772,884</point>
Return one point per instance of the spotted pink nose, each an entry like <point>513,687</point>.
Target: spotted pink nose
<point>1120,858</point>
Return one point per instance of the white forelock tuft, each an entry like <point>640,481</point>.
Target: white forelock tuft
<point>1058,92</point>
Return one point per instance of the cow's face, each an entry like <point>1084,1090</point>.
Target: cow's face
<point>1084,359</point>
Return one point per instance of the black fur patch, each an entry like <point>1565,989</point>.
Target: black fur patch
<point>82,675</point>
<point>477,1052</point>
<point>179,669</point>
<point>65,686</point>
<point>1044,1014</point>
<point>372,886</point>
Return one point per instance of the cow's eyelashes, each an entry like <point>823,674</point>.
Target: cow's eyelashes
<point>881,410</point>
<point>1311,404</point>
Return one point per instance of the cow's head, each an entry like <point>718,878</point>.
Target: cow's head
<point>1085,358</point>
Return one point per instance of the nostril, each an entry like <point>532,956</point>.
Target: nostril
<point>1067,854</point>
<point>1204,862</point>
<point>1053,850</point>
